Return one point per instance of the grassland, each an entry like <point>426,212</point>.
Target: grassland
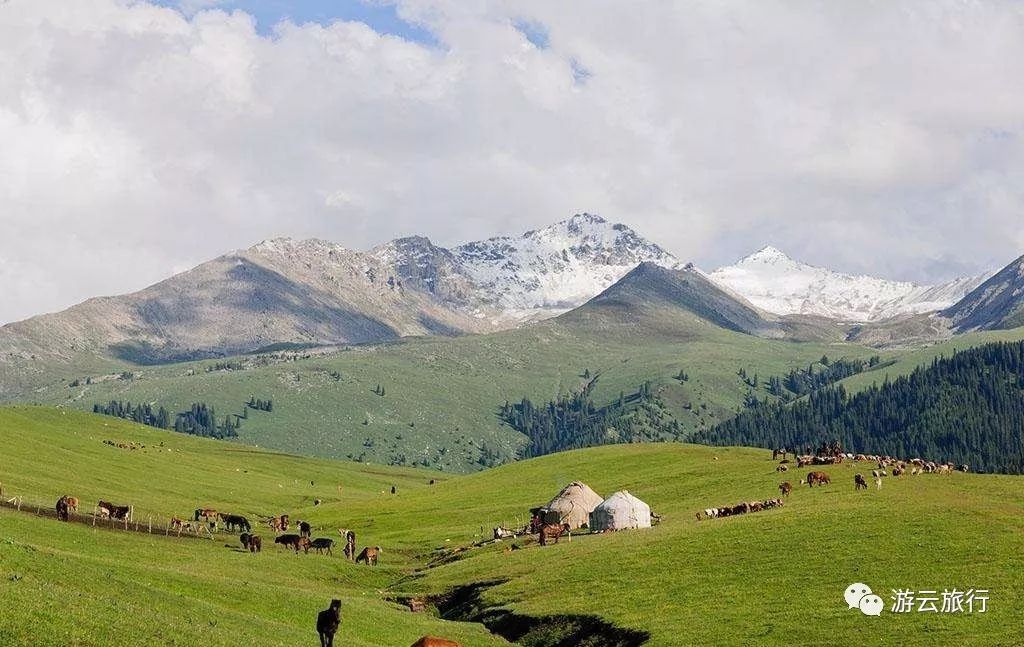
<point>442,395</point>
<point>774,577</point>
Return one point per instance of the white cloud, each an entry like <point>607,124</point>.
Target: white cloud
<point>873,137</point>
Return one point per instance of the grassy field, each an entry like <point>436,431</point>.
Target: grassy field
<point>442,395</point>
<point>774,577</point>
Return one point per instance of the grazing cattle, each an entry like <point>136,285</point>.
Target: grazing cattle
<point>433,641</point>
<point>785,488</point>
<point>554,531</point>
<point>304,529</point>
<point>943,469</point>
<point>293,541</point>
<point>782,468</point>
<point>742,508</point>
<point>779,452</point>
<point>327,623</point>
<point>235,522</point>
<point>897,471</point>
<point>965,468</point>
<point>859,482</point>
<point>821,478</point>
<point>370,555</point>
<point>322,544</point>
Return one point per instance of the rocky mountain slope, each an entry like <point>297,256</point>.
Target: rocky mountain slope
<point>776,283</point>
<point>314,292</point>
<point>998,303</point>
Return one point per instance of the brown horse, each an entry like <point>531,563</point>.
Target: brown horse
<point>785,488</point>
<point>72,503</point>
<point>370,555</point>
<point>434,641</point>
<point>554,531</point>
<point>821,478</point>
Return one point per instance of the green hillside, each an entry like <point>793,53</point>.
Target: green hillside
<point>774,577</point>
<point>442,396</point>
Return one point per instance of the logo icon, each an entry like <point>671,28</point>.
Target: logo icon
<point>859,596</point>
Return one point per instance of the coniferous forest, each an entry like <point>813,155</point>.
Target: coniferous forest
<point>967,408</point>
<point>574,421</point>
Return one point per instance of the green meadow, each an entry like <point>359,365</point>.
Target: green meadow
<point>774,577</point>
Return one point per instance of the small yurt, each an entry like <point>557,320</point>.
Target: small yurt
<point>572,505</point>
<point>619,511</point>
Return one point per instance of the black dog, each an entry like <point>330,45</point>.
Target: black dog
<point>327,623</point>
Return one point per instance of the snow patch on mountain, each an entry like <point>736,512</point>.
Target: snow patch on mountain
<point>557,267</point>
<point>773,281</point>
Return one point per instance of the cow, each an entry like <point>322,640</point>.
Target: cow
<point>327,623</point>
<point>252,543</point>
<point>204,513</point>
<point>554,531</point>
<point>785,488</point>
<point>370,555</point>
<point>742,508</point>
<point>433,641</point>
<point>322,544</point>
<point>943,469</point>
<point>782,468</point>
<point>859,482</point>
<point>821,478</point>
<point>235,521</point>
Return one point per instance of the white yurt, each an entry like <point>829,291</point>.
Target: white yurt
<point>572,505</point>
<point>619,511</point>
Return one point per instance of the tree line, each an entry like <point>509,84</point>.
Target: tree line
<point>967,408</point>
<point>199,420</point>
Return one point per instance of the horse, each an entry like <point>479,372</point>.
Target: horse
<point>370,555</point>
<point>350,543</point>
<point>821,478</point>
<point>205,514</point>
<point>555,531</point>
<point>109,510</point>
<point>293,541</point>
<point>233,521</point>
<point>785,488</point>
<point>72,503</point>
<point>433,641</point>
<point>62,509</point>
<point>279,524</point>
<point>252,543</point>
<point>304,529</point>
<point>327,623</point>
<point>322,544</point>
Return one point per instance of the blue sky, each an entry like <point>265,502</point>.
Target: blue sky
<point>378,14</point>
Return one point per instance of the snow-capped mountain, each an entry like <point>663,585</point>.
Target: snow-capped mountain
<point>558,267</point>
<point>776,283</point>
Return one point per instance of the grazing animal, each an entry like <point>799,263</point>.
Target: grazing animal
<point>821,478</point>
<point>782,468</point>
<point>785,488</point>
<point>234,521</point>
<point>370,555</point>
<point>293,541</point>
<point>252,543</point>
<point>742,508</point>
<point>317,501</point>
<point>205,514</point>
<point>878,482</point>
<point>73,502</point>
<point>350,543</point>
<point>859,482</point>
<point>322,544</point>
<point>279,524</point>
<point>327,623</point>
<point>304,529</point>
<point>62,509</point>
<point>553,531</point>
<point>433,641</point>
<point>109,510</point>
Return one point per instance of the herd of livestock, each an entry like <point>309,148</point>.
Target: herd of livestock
<point>209,521</point>
<point>833,455</point>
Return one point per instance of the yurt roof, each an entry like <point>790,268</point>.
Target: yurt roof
<point>576,492</point>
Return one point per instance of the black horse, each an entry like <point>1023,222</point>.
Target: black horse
<point>327,623</point>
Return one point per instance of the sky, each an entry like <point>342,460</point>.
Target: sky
<point>139,139</point>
